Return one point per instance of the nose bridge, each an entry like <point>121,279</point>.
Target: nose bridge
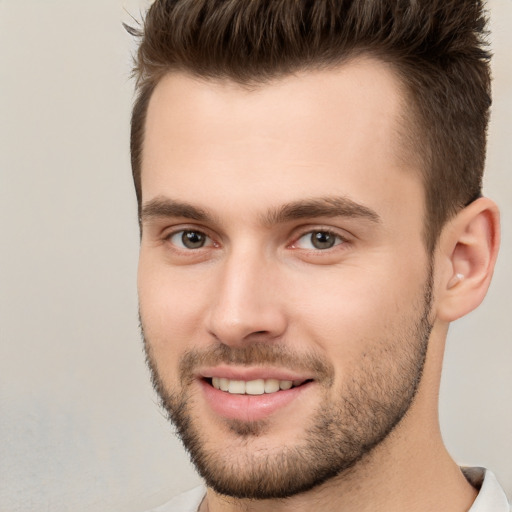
<point>245,305</point>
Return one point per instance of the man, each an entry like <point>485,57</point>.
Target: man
<point>309,185</point>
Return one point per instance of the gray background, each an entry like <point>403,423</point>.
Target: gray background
<point>79,428</point>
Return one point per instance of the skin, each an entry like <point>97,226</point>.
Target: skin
<point>238,156</point>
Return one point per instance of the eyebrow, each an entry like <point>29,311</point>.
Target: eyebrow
<point>164,207</point>
<point>320,207</point>
<point>332,206</point>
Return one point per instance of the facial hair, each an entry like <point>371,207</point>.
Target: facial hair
<point>367,407</point>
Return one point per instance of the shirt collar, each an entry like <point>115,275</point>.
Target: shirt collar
<point>491,497</point>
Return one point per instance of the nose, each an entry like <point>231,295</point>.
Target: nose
<point>247,305</point>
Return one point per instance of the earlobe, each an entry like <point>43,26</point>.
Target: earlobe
<point>467,253</point>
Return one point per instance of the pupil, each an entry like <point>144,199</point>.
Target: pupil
<point>192,239</point>
<point>323,240</point>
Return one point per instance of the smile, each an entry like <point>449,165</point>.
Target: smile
<point>250,395</point>
<point>254,387</point>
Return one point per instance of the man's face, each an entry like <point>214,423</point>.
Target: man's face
<point>282,247</point>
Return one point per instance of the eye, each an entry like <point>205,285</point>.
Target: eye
<point>318,240</point>
<point>190,239</point>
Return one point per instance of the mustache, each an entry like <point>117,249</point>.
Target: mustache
<point>252,354</point>
<point>256,354</point>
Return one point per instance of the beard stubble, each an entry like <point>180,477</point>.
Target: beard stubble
<point>344,429</point>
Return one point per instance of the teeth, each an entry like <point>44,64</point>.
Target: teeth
<point>236,387</point>
<point>253,387</point>
<point>271,385</point>
<point>224,384</point>
<point>285,384</point>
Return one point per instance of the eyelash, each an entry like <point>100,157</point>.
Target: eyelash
<point>189,231</point>
<point>338,239</point>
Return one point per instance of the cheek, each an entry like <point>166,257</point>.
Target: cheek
<point>358,309</point>
<point>171,307</point>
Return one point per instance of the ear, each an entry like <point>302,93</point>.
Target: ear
<point>467,252</point>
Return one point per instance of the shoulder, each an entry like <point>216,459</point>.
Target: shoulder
<point>187,502</point>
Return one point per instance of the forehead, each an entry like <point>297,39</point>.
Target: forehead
<point>339,129</point>
<point>364,91</point>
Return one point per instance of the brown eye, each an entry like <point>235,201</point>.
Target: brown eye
<point>323,240</point>
<point>189,239</point>
<point>193,239</point>
<point>319,240</point>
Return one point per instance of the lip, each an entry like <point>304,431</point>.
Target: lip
<point>250,408</point>
<point>247,374</point>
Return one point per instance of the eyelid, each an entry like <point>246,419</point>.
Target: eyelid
<point>175,230</point>
<point>343,236</point>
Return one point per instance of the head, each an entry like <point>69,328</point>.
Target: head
<point>298,167</point>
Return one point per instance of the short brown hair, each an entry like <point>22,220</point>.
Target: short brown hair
<point>437,48</point>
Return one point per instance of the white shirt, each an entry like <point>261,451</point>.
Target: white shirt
<point>491,497</point>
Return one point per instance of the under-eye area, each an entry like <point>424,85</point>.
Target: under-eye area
<point>254,387</point>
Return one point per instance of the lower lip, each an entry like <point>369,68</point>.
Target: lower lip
<point>249,408</point>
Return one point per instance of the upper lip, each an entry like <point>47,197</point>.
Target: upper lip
<point>251,373</point>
